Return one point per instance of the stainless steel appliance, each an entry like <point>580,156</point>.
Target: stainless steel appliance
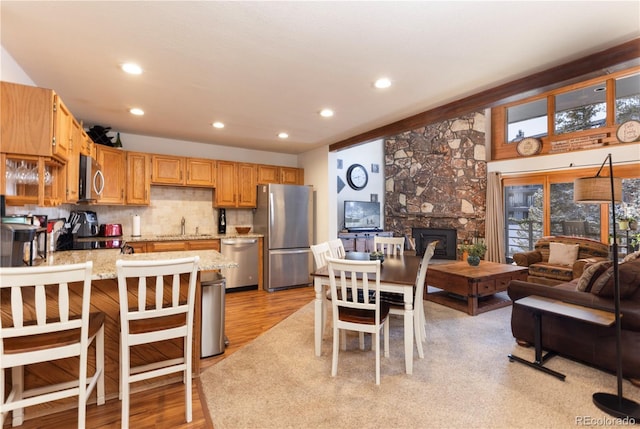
<point>212,305</point>
<point>285,217</point>
<point>91,182</point>
<point>244,251</point>
<point>14,238</point>
<point>84,223</point>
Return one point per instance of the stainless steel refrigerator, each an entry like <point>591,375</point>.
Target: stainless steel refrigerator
<point>285,217</point>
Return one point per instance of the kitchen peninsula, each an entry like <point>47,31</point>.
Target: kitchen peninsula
<point>104,297</point>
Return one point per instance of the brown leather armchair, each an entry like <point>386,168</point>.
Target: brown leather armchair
<point>541,271</point>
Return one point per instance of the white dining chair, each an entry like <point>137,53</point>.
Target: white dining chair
<point>47,319</point>
<point>354,286</point>
<point>389,245</point>
<point>337,248</point>
<point>321,252</point>
<point>397,300</point>
<point>162,310</point>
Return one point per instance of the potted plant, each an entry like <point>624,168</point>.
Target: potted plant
<point>623,222</point>
<point>635,242</point>
<point>474,252</point>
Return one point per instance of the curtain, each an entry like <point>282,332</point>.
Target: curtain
<point>494,223</point>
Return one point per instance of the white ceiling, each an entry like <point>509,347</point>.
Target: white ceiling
<point>266,67</point>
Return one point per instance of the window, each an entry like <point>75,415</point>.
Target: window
<point>628,98</point>
<point>582,109</point>
<point>569,218</point>
<point>523,217</point>
<point>527,120</point>
<point>541,204</point>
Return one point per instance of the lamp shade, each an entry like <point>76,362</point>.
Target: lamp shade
<point>597,190</point>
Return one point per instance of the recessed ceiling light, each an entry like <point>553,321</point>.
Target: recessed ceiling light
<point>283,135</point>
<point>131,68</point>
<point>326,113</point>
<point>136,111</point>
<point>382,83</point>
<point>599,89</point>
<point>217,125</point>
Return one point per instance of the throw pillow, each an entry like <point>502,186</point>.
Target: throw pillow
<point>631,256</point>
<point>591,274</point>
<point>628,276</point>
<point>563,254</point>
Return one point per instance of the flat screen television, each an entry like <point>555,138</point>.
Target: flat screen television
<point>361,215</point>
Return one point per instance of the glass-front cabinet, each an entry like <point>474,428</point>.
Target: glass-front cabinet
<point>35,180</point>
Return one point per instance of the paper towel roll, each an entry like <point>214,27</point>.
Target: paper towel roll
<point>136,226</point>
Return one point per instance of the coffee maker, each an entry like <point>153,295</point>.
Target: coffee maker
<point>14,238</point>
<point>84,223</point>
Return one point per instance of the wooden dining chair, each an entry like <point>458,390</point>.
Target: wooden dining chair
<point>45,318</point>
<point>162,310</point>
<point>389,245</point>
<point>337,248</point>
<point>354,285</point>
<point>397,300</point>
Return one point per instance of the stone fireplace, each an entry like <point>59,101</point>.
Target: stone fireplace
<point>436,179</point>
<point>447,241</point>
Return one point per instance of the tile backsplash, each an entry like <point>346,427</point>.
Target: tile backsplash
<point>168,205</point>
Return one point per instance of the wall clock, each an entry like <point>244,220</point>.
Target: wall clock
<point>529,146</point>
<point>357,176</point>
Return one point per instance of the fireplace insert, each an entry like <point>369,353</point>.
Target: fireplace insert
<point>447,240</point>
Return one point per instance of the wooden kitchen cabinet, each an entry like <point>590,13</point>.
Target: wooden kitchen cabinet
<point>112,162</point>
<point>236,185</point>
<point>167,170</point>
<point>34,121</point>
<point>45,184</point>
<point>175,245</point>
<point>291,176</point>
<point>72,168</point>
<point>201,172</point>
<point>138,178</point>
<point>275,174</point>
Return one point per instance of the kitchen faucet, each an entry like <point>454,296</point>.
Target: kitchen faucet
<point>182,226</point>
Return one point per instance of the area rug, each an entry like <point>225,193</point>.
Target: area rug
<point>464,381</point>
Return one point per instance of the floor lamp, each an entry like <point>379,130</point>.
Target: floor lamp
<point>609,190</point>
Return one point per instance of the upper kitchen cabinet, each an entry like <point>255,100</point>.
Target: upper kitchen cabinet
<point>138,178</point>
<point>32,180</point>
<point>167,170</point>
<point>283,175</point>
<point>76,145</point>
<point>34,121</point>
<point>291,176</point>
<point>112,162</point>
<point>236,185</point>
<point>201,172</point>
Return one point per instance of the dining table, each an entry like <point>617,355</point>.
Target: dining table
<point>397,274</point>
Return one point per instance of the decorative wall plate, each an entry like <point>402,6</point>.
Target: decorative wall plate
<point>628,131</point>
<point>529,146</point>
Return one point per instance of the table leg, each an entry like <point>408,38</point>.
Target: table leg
<point>319,315</point>
<point>408,330</point>
<point>538,363</point>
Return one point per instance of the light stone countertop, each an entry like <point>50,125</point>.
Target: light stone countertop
<point>179,237</point>
<point>104,260</point>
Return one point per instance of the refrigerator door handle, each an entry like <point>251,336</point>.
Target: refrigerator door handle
<point>287,251</point>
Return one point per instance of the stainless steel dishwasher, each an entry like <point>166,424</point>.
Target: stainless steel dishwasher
<point>244,251</point>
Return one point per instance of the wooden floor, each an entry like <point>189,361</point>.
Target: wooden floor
<point>248,314</point>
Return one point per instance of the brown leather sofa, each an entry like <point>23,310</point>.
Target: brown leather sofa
<point>543,272</point>
<point>582,341</point>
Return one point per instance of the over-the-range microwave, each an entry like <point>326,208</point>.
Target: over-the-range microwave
<point>91,182</point>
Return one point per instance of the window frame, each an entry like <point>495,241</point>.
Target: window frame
<point>624,171</point>
<point>502,148</point>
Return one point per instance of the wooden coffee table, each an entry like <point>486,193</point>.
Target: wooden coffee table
<point>471,289</point>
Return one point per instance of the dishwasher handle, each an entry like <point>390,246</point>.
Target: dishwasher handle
<point>232,241</point>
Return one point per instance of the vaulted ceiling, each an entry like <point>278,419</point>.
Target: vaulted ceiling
<point>263,68</point>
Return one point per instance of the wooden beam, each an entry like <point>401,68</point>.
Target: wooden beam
<point>595,64</point>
